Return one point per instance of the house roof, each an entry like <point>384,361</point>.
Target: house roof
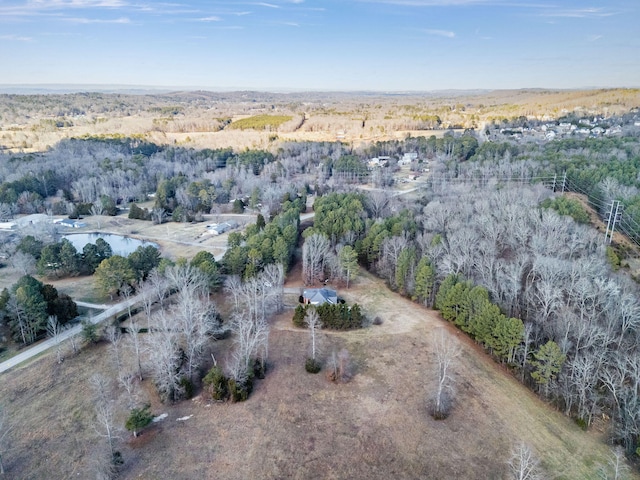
<point>319,296</point>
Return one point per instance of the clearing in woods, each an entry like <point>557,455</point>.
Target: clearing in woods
<point>298,425</point>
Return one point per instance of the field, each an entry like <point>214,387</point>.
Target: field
<point>294,425</point>
<point>208,119</point>
<point>297,425</point>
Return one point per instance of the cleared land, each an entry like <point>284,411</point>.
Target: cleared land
<point>207,119</point>
<point>297,425</point>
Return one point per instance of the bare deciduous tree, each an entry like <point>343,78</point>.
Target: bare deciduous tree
<point>136,345</point>
<point>112,332</point>
<point>378,203</point>
<point>273,280</point>
<point>251,340</point>
<point>97,210</point>
<point>24,263</point>
<point>314,324</point>
<point>523,465</point>
<point>158,284</point>
<point>339,366</point>
<point>446,351</point>
<point>617,468</point>
<point>158,215</point>
<point>102,462</point>
<point>233,285</point>
<point>73,343</point>
<point>314,250</point>
<point>54,329</point>
<point>105,410</point>
<point>164,357</point>
<point>127,381</point>
<point>196,320</point>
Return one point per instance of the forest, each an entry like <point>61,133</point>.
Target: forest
<point>486,237</point>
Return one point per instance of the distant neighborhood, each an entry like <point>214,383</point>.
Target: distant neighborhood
<point>531,129</point>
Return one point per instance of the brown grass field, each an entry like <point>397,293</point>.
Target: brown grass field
<point>193,119</point>
<point>300,426</point>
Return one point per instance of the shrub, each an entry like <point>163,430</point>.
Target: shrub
<point>442,411</point>
<point>340,316</point>
<point>259,368</point>
<point>312,366</point>
<point>299,316</point>
<point>90,332</point>
<point>582,423</point>
<point>137,213</point>
<point>239,392</point>
<point>187,387</point>
<point>138,419</point>
<point>238,206</point>
<point>216,384</point>
<point>613,258</point>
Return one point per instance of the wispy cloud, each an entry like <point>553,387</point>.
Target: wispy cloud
<point>427,3</point>
<point>62,4</point>
<point>594,38</point>
<point>440,33</point>
<point>87,21</point>
<point>457,3</point>
<point>48,7</point>
<point>578,13</point>
<point>212,18</point>
<point>16,38</point>
<point>268,5</point>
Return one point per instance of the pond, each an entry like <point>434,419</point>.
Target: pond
<point>120,245</point>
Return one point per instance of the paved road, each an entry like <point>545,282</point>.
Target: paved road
<point>109,312</point>
<point>95,306</point>
<point>44,345</point>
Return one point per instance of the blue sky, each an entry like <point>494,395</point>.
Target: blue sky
<point>383,45</point>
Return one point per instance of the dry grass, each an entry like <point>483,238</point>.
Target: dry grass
<point>297,425</point>
<point>344,117</point>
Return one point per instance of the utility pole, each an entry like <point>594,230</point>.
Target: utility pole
<point>614,217</point>
<point>564,180</point>
<point>553,186</point>
<point>606,232</point>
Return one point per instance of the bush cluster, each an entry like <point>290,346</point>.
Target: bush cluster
<point>312,365</point>
<point>333,317</point>
<point>223,388</point>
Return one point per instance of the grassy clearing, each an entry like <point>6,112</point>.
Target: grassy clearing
<point>260,122</point>
<point>297,425</point>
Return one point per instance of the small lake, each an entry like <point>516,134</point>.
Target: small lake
<point>120,245</point>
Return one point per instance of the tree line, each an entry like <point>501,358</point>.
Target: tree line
<point>532,286</point>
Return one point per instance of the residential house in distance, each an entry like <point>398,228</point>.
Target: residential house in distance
<point>8,225</point>
<point>220,228</point>
<point>407,158</point>
<point>319,296</point>
<point>69,223</point>
<point>378,162</point>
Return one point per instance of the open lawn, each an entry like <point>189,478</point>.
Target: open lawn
<point>298,425</point>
